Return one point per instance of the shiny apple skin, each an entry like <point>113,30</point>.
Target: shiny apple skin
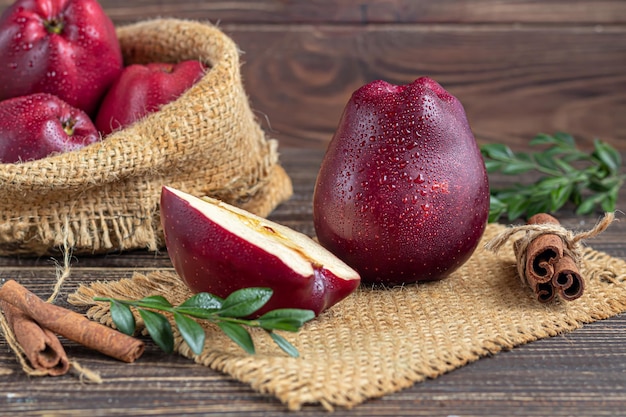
<point>77,64</point>
<point>210,259</point>
<point>402,194</point>
<point>35,126</point>
<point>143,89</point>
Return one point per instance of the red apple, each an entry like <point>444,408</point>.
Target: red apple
<point>219,248</point>
<point>68,48</point>
<point>37,125</point>
<point>402,194</point>
<point>143,89</point>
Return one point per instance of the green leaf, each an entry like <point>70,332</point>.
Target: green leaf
<point>564,139</point>
<point>517,167</point>
<point>290,320</point>
<point>564,166</point>
<point>560,196</point>
<point>608,204</point>
<point>159,328</point>
<point>496,208</point>
<point>586,206</point>
<point>493,166</point>
<point>238,334</point>
<point>123,317</point>
<point>497,151</point>
<point>202,305</point>
<point>157,302</point>
<point>244,302</point>
<point>203,300</point>
<point>191,332</point>
<point>284,345</point>
<point>542,139</point>
<point>608,155</point>
<point>546,161</point>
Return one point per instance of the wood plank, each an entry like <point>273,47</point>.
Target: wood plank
<point>514,81</point>
<point>372,11</point>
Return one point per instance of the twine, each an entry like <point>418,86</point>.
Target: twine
<point>572,242</point>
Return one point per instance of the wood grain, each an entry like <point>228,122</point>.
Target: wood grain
<point>513,82</point>
<point>519,67</point>
<point>372,11</point>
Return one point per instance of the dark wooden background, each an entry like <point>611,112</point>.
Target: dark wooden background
<point>519,67</point>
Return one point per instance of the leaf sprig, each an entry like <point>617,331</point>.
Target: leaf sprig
<point>567,174</point>
<point>229,314</point>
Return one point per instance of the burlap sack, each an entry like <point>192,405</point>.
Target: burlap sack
<point>105,197</point>
<point>378,341</point>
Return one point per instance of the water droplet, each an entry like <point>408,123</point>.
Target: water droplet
<point>419,179</point>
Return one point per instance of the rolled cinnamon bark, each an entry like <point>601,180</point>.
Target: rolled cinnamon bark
<point>549,269</point>
<point>41,347</point>
<point>72,325</point>
<point>567,280</point>
<point>543,252</point>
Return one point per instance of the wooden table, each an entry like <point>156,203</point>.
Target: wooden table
<point>581,373</point>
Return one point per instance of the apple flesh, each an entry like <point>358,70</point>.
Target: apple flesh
<point>402,194</point>
<point>37,125</point>
<point>68,48</point>
<point>219,248</point>
<point>143,89</point>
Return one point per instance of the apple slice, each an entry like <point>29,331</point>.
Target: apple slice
<point>218,248</point>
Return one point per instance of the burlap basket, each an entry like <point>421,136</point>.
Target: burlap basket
<point>105,197</point>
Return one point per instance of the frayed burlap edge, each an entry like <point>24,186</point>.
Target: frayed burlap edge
<point>379,341</point>
<point>104,197</point>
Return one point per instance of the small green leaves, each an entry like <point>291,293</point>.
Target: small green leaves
<point>589,181</point>
<point>159,328</point>
<point>244,302</point>
<point>122,317</point>
<point>229,315</point>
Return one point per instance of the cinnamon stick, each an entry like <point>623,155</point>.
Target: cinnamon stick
<point>567,279</point>
<point>72,325</point>
<point>41,347</point>
<point>549,270</point>
<point>543,252</point>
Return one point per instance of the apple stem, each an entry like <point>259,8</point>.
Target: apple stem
<point>54,25</point>
<point>68,126</point>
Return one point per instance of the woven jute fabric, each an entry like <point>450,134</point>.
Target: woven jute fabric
<point>378,341</point>
<point>105,197</point>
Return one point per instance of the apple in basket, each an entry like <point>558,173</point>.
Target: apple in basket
<point>218,248</point>
<point>402,194</point>
<point>143,89</point>
<point>37,125</point>
<point>68,48</point>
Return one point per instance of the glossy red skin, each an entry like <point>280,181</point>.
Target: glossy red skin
<point>78,65</point>
<point>402,194</point>
<point>210,259</point>
<point>31,127</point>
<point>143,89</point>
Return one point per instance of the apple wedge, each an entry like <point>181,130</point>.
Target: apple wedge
<point>218,248</point>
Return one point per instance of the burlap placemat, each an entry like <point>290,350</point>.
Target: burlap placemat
<point>378,341</point>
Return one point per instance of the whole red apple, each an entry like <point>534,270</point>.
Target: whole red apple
<point>143,89</point>
<point>219,248</point>
<point>37,125</point>
<point>402,194</point>
<point>68,48</point>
